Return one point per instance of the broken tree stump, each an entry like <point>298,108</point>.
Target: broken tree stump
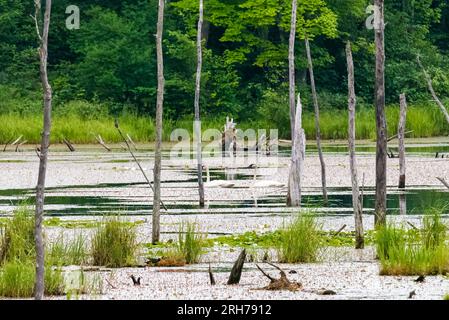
<point>236,271</point>
<point>211,276</point>
<point>282,283</point>
<point>297,160</point>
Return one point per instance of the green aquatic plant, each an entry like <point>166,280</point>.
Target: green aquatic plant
<point>301,240</point>
<point>114,243</point>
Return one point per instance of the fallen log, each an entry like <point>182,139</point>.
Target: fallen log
<point>280,284</point>
<point>69,145</point>
<point>396,135</point>
<point>101,142</point>
<point>236,271</point>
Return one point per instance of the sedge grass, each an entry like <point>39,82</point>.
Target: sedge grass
<point>301,240</point>
<point>114,243</point>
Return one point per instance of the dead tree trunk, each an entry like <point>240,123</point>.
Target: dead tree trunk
<point>317,122</point>
<point>434,95</point>
<point>236,271</point>
<point>45,142</point>
<point>291,68</point>
<point>197,106</point>
<point>401,136</point>
<point>297,160</point>
<point>381,123</point>
<point>356,202</point>
<point>159,110</point>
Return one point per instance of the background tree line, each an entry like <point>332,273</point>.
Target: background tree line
<point>110,62</point>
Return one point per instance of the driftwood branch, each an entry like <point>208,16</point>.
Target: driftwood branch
<point>339,230</point>
<point>69,145</point>
<point>131,140</point>
<point>135,159</point>
<point>101,142</point>
<point>282,283</point>
<point>432,91</point>
<point>396,135</point>
<point>443,181</point>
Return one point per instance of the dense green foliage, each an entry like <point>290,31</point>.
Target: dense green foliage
<point>108,66</point>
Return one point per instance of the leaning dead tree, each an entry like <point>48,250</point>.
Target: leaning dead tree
<point>159,110</point>
<point>356,201</point>
<point>381,122</point>
<point>297,160</point>
<point>432,91</point>
<point>317,121</point>
<point>45,142</point>
<point>291,68</point>
<point>401,137</point>
<point>197,106</point>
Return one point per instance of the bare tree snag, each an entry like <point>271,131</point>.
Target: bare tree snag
<point>236,271</point>
<point>20,144</point>
<point>443,181</point>
<point>69,145</point>
<point>356,203</point>
<point>102,143</point>
<point>159,111</point>
<point>291,67</point>
<point>317,122</point>
<point>45,142</point>
<point>135,159</point>
<point>381,122</point>
<point>7,143</point>
<point>282,283</point>
<point>396,135</point>
<point>297,160</point>
<point>401,136</point>
<point>434,95</point>
<point>128,137</point>
<point>197,124</point>
<point>211,276</point>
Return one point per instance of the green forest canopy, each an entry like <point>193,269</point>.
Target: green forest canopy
<point>111,59</point>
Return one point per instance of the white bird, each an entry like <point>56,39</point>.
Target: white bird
<point>217,183</point>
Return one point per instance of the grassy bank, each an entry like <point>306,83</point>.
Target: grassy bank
<point>424,121</point>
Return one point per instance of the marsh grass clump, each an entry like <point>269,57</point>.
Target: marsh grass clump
<point>63,253</point>
<point>114,244</point>
<point>190,242</point>
<point>17,280</point>
<point>187,250</point>
<point>17,236</point>
<point>301,240</point>
<point>413,252</point>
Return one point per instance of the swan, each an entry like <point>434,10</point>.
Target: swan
<point>217,183</point>
<point>265,183</point>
